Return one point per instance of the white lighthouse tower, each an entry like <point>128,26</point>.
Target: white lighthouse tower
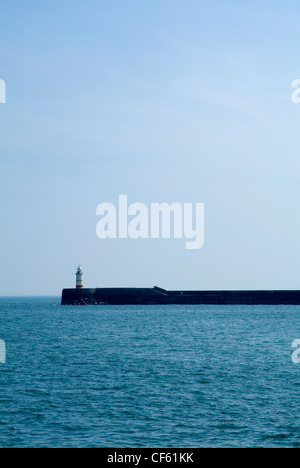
<point>79,278</point>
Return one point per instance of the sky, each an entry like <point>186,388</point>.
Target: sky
<point>162,101</point>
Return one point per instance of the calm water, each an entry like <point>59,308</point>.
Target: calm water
<point>134,376</point>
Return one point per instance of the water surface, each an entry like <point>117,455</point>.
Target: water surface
<point>148,376</point>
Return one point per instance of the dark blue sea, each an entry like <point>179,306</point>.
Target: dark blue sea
<point>136,376</point>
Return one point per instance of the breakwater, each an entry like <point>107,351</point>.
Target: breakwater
<point>159,296</point>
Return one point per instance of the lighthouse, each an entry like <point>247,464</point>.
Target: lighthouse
<point>79,278</point>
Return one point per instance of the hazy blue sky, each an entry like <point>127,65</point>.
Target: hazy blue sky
<point>161,100</point>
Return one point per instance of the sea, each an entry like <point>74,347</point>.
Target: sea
<point>148,376</point>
